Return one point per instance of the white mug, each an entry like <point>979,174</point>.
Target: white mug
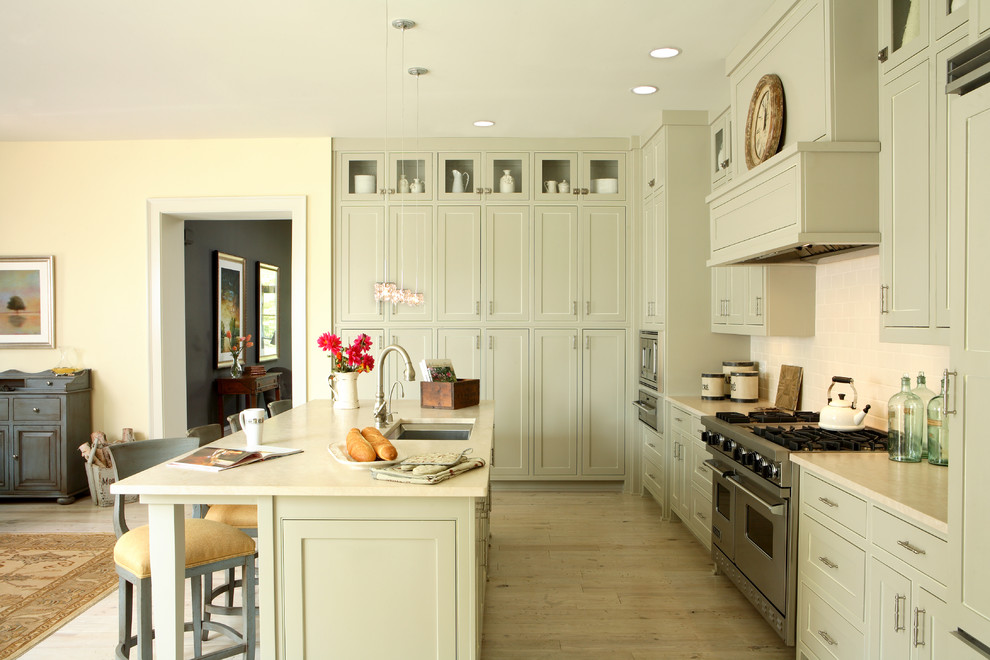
<point>252,419</point>
<point>551,186</point>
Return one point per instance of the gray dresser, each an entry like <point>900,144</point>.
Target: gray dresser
<point>44,418</point>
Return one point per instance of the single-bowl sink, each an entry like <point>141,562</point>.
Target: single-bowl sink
<point>430,431</point>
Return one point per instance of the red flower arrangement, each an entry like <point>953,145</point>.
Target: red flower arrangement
<point>356,357</point>
<point>237,344</point>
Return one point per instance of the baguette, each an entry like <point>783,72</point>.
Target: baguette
<point>383,448</point>
<point>359,448</point>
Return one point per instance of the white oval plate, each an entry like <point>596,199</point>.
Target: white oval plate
<point>339,451</point>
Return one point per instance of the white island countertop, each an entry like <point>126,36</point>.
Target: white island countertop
<point>919,491</point>
<point>313,427</point>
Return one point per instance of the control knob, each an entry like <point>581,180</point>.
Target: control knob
<point>758,463</point>
<point>771,471</point>
<point>728,445</point>
<point>741,455</point>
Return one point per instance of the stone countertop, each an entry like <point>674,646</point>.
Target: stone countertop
<point>918,491</point>
<point>702,407</point>
<point>313,427</point>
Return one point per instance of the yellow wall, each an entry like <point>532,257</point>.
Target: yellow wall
<point>85,203</point>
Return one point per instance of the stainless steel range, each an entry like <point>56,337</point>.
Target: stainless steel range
<point>754,501</point>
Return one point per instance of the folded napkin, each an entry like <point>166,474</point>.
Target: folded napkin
<point>433,474</point>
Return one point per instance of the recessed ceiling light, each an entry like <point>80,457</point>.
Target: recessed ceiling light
<point>644,89</point>
<point>484,122</point>
<point>665,52</point>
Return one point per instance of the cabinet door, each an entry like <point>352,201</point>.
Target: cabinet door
<point>729,300</point>
<point>555,417</point>
<point>890,612</point>
<point>418,342</point>
<point>948,15</point>
<point>459,263</point>
<point>904,200</point>
<point>603,232</point>
<point>5,465</point>
<point>362,177</point>
<point>459,176</point>
<point>367,383</point>
<point>649,262</point>
<point>508,266</point>
<point>755,311</point>
<point>679,501</point>
<point>507,381</point>
<point>35,459</point>
<point>721,149</point>
<point>603,405</point>
<point>555,167</point>
<point>360,263</point>
<point>414,168</point>
<point>507,176</point>
<point>930,625</point>
<point>903,31</point>
<point>556,245</point>
<point>720,294</point>
<point>462,346</point>
<point>969,489</point>
<point>940,166</point>
<point>604,175</point>
<point>410,259</point>
<point>648,154</point>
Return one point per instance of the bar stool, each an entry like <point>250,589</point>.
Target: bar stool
<point>210,546</point>
<point>279,407</point>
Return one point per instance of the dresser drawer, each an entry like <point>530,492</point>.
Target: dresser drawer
<point>52,383</point>
<point>836,567</point>
<point>916,547</point>
<point>837,504</point>
<point>681,420</point>
<point>653,478</point>
<point>37,409</point>
<point>824,631</point>
<point>4,409</point>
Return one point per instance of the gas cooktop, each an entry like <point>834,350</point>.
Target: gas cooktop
<point>768,416</point>
<point>813,438</point>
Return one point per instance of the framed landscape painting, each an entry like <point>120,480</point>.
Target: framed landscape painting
<point>267,336</point>
<point>27,302</point>
<point>230,303</point>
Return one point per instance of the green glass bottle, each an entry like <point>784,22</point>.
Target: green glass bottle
<point>905,424</point>
<point>938,430</point>
<point>925,395</point>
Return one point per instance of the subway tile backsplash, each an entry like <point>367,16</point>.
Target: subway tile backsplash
<point>847,343</point>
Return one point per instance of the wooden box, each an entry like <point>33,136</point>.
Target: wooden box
<point>450,396</point>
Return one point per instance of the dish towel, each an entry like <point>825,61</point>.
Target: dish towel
<point>434,475</point>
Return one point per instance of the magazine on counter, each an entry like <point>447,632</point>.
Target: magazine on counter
<point>438,371</point>
<point>214,459</point>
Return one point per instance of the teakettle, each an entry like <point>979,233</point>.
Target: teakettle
<point>842,415</point>
<point>460,181</point>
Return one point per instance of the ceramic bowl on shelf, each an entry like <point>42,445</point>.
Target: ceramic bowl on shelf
<point>605,186</point>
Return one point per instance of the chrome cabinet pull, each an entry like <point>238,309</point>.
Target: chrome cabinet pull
<point>828,638</point>
<point>573,308</point>
<point>907,546</point>
<point>831,564</point>
<point>919,627</point>
<point>827,502</point>
<point>883,298</point>
<point>491,306</point>
<point>652,182</point>
<point>759,305</point>
<point>477,341</point>
<point>574,342</point>
<point>897,612</point>
<point>587,342</point>
<point>48,383</point>
<point>491,343</point>
<point>477,307</point>
<point>651,445</point>
<point>700,516</point>
<point>587,307</point>
<point>651,476</point>
<point>950,410</point>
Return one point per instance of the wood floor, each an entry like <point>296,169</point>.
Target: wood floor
<point>572,575</point>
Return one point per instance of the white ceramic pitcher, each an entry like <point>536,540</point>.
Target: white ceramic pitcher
<point>461,181</point>
<point>343,389</point>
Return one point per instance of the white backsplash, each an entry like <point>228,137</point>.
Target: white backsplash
<point>847,343</point>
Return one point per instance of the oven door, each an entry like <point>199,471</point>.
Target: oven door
<point>723,508</point>
<point>760,534</point>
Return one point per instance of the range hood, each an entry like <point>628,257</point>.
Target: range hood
<point>811,200</point>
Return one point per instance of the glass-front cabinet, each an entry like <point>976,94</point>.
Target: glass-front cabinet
<point>410,175</point>
<point>459,172</point>
<point>556,174</point>
<point>591,176</point>
<point>903,30</point>
<point>362,176</point>
<point>721,149</point>
<point>493,176</point>
<point>603,175</point>
<point>949,14</point>
<point>507,176</point>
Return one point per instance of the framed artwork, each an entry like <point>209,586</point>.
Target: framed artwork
<point>230,304</point>
<point>27,302</point>
<point>267,336</point>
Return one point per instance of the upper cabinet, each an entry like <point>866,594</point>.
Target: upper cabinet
<point>410,176</point>
<point>904,30</point>
<point>765,301</point>
<point>720,154</point>
<point>494,176</point>
<point>399,176</point>
<point>361,176</point>
<point>588,176</point>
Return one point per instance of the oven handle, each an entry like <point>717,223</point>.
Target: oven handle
<point>718,470</point>
<point>774,509</point>
<point>645,408</point>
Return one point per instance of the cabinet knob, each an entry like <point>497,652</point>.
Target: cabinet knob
<point>883,54</point>
<point>16,457</point>
<point>48,383</point>
<point>37,410</point>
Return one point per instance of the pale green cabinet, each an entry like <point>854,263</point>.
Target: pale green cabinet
<point>507,381</point>
<point>410,259</point>
<point>555,238</point>
<point>603,231</point>
<point>459,263</point>
<point>654,261</point>
<point>462,346</point>
<point>556,419</point>
<point>603,403</point>
<point>768,301</point>
<point>508,273</point>
<point>904,31</point>
<point>418,342</point>
<point>360,240</point>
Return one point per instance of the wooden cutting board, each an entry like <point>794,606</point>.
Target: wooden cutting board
<point>789,387</point>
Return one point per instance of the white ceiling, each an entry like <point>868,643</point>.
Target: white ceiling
<point>123,69</point>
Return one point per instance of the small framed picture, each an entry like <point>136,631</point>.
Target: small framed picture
<point>267,336</point>
<point>230,303</point>
<point>27,302</point>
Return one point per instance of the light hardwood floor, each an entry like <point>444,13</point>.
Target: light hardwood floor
<point>576,575</point>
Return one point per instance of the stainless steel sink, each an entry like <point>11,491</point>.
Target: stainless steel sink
<point>430,431</point>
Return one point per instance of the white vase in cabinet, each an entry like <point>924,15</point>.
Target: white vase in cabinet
<point>462,167</point>
<point>555,231</point>
<point>416,169</point>
<point>506,176</point>
<point>459,263</point>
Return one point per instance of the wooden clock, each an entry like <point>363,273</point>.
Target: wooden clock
<point>765,121</point>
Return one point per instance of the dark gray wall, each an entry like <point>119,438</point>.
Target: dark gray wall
<point>269,241</point>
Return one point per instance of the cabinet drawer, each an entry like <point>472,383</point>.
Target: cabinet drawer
<point>4,409</point>
<point>653,449</point>
<point>653,478</point>
<point>824,631</point>
<point>701,515</point>
<point>42,409</point>
<point>682,421</point>
<point>836,567</point>
<point>837,504</point>
<point>916,547</point>
<point>701,474</point>
<point>44,384</point>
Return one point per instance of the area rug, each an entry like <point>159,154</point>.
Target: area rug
<point>48,579</point>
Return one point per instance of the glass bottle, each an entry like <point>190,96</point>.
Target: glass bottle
<point>925,395</point>
<point>938,430</point>
<point>905,424</point>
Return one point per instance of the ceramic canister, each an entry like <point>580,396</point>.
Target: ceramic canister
<point>729,366</point>
<point>712,386</point>
<point>745,387</point>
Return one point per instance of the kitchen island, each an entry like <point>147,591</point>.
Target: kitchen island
<point>349,566</point>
